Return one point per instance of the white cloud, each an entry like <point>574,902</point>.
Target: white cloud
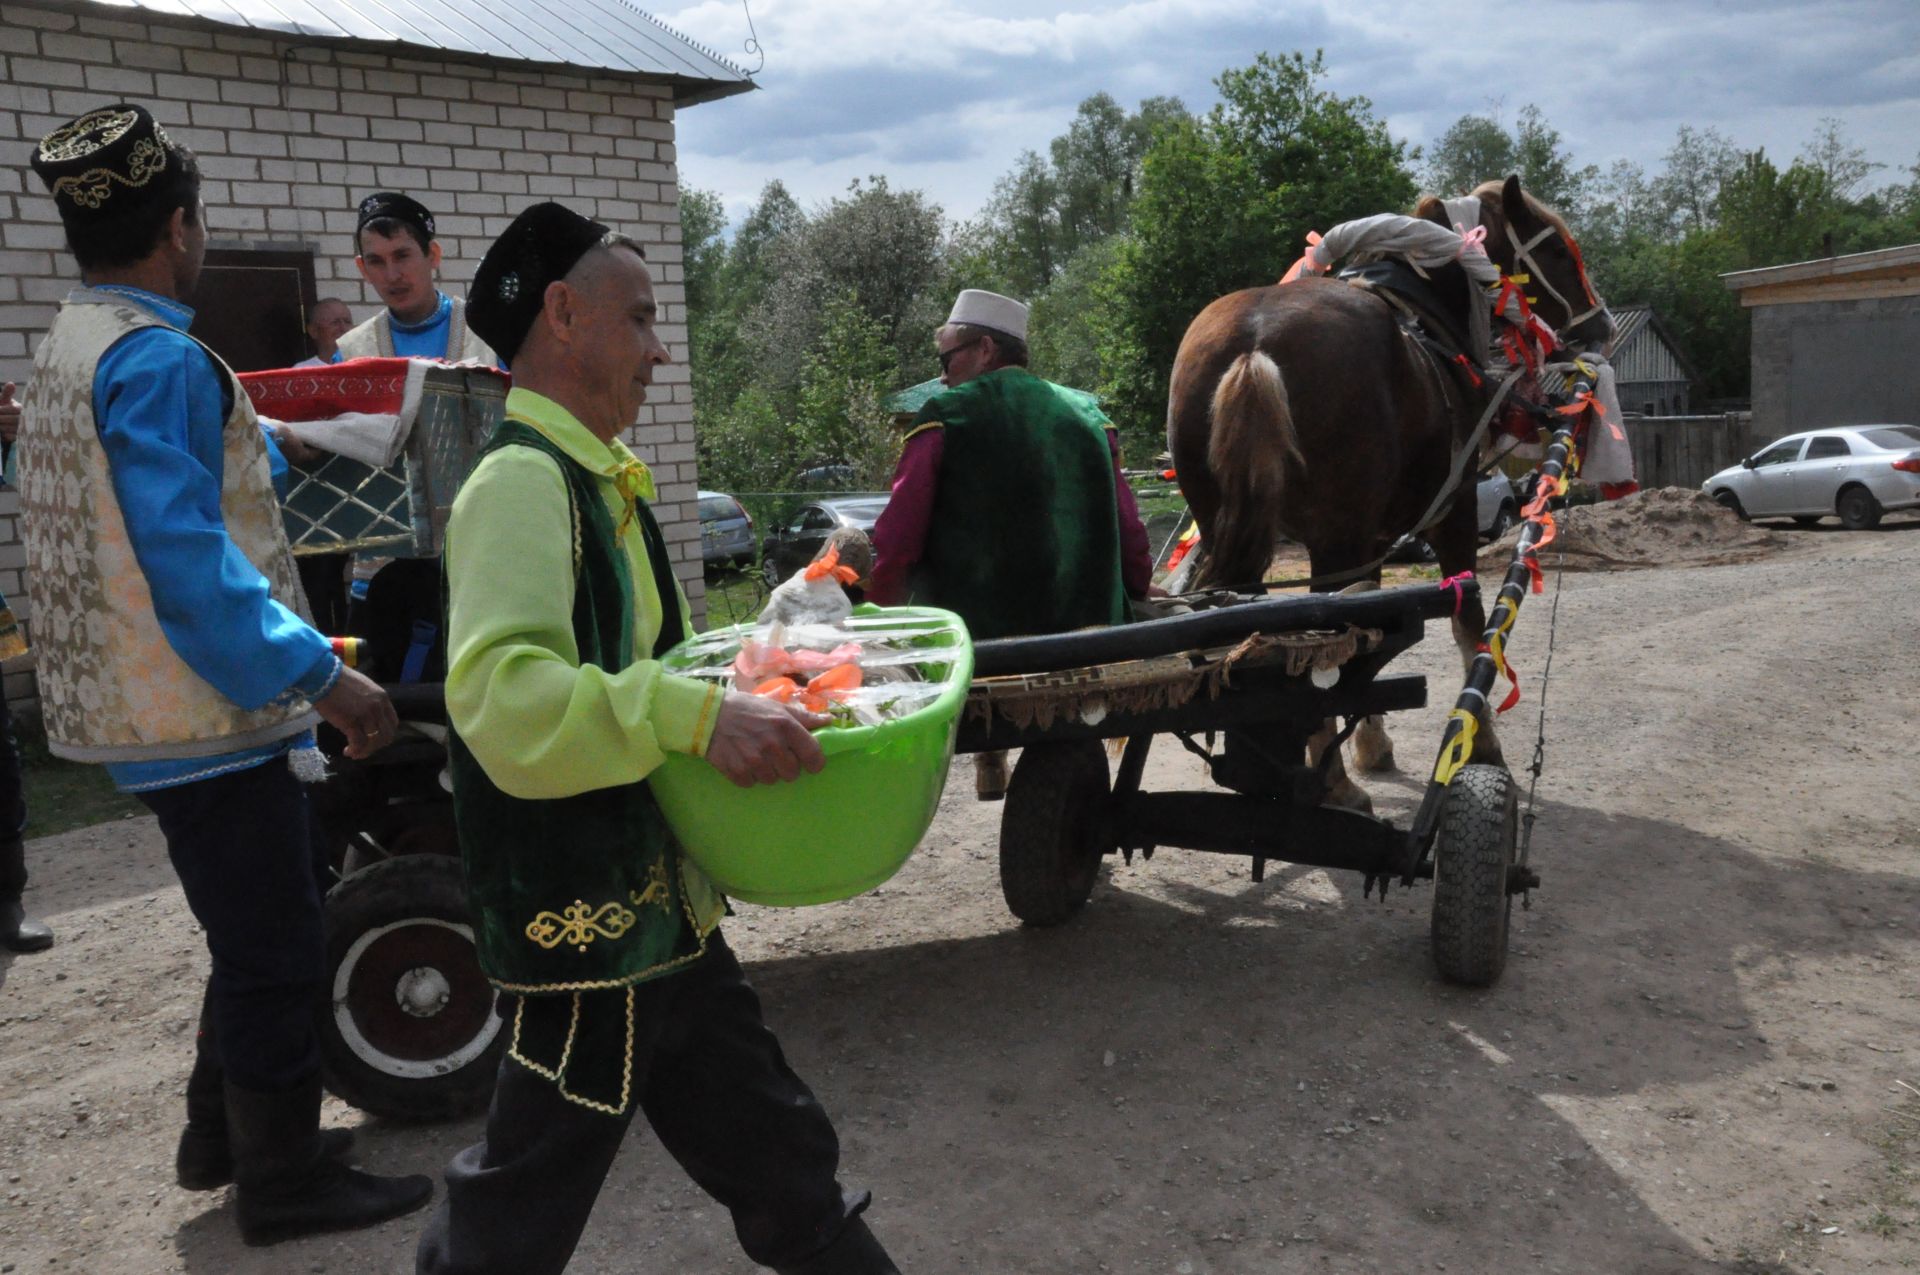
<point>944,96</point>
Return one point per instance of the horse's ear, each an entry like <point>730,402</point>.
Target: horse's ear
<point>1432,208</point>
<point>1513,202</point>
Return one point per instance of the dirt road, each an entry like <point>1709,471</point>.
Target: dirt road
<point>1703,1056</point>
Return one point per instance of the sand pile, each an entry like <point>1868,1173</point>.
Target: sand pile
<point>1666,527</point>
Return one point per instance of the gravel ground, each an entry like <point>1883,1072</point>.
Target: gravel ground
<point>1703,1056</point>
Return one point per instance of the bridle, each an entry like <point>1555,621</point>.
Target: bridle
<point>1523,259</point>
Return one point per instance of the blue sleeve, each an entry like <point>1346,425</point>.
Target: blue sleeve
<point>276,462</point>
<point>159,406</point>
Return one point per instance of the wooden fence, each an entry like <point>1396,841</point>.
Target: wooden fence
<point>1684,451</point>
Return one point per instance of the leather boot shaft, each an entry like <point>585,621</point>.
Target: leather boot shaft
<point>18,931</point>
<point>286,1185</point>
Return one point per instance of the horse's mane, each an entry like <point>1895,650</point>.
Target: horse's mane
<point>1433,208</point>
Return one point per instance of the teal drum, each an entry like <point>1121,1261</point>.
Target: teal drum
<point>840,832</point>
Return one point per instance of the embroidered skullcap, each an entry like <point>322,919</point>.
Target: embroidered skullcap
<point>510,287</point>
<point>399,207</point>
<point>103,163</point>
<point>990,310</point>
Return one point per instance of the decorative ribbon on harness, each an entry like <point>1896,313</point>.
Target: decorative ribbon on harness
<point>1452,584</point>
<point>1459,746</point>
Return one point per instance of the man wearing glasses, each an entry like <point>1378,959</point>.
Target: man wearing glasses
<point>1008,504</point>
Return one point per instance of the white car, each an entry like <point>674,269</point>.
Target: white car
<point>1856,472</point>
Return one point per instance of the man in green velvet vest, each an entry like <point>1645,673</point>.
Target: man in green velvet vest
<point>1008,503</point>
<point>625,997</point>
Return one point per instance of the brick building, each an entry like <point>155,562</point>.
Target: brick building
<point>299,110</point>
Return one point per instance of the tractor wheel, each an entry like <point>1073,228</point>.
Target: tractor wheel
<point>409,1031</point>
<point>1054,830</point>
<point>1472,855</point>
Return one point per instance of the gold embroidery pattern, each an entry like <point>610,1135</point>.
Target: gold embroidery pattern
<point>656,891</point>
<point>93,187</point>
<point>580,925</point>
<point>89,133</point>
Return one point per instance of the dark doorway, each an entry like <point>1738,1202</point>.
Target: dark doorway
<point>252,305</point>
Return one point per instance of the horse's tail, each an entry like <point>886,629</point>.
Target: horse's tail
<point>1248,450</point>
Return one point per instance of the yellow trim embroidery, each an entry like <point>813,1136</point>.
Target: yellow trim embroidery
<point>656,891</point>
<point>714,692</point>
<point>921,429</point>
<point>580,925</point>
<point>557,1075</point>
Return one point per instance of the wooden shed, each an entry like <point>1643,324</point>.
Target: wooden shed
<point>1655,378</point>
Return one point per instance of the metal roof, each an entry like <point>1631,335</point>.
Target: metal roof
<point>593,35</point>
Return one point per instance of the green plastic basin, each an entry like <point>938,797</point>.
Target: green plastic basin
<point>840,832</point>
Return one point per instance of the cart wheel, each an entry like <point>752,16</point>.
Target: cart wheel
<point>409,1031</point>
<point>1054,830</point>
<point>1475,848</point>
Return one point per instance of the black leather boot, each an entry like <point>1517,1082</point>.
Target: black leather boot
<point>18,931</point>
<point>285,1184</point>
<point>204,1161</point>
<point>854,1251</point>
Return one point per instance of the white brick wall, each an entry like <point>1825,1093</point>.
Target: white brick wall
<point>291,136</point>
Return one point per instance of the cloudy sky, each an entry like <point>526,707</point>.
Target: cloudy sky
<point>942,95</point>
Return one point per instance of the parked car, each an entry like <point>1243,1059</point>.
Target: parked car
<point>1857,472</point>
<point>824,478</point>
<point>790,547</point>
<point>726,532</point>
<point>1498,504</point>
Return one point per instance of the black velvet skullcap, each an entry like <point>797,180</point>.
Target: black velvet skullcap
<point>510,288</point>
<point>103,164</point>
<point>399,207</point>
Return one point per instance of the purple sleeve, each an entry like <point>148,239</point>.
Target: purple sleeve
<point>1136,555</point>
<point>901,531</point>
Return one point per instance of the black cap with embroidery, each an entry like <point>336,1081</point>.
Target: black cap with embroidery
<point>510,288</point>
<point>103,163</point>
<point>391,203</point>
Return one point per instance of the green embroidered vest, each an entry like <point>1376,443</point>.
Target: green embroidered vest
<point>1025,533</point>
<point>584,891</point>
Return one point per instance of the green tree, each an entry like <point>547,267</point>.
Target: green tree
<point>1474,149</point>
<point>1478,149</point>
<point>881,247</point>
<point>1225,203</point>
<point>841,418</point>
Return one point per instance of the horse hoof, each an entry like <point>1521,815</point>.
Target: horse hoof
<point>1377,763</point>
<point>1349,796</point>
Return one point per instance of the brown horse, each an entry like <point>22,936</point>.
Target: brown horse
<point>1303,410</point>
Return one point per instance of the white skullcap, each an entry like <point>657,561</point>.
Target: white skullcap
<point>990,310</point>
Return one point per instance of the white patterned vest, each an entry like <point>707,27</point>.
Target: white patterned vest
<point>111,687</point>
<point>374,339</point>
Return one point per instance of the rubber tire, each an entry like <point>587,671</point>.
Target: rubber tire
<point>1858,510</point>
<point>1728,500</point>
<point>769,573</point>
<point>428,888</point>
<point>1054,830</point>
<point>1479,818</point>
<point>1501,521</point>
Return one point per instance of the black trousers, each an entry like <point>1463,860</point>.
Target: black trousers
<point>13,807</point>
<point>243,849</point>
<point>718,1092</point>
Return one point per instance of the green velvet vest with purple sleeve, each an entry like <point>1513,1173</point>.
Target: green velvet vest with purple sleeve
<point>1025,533</point>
